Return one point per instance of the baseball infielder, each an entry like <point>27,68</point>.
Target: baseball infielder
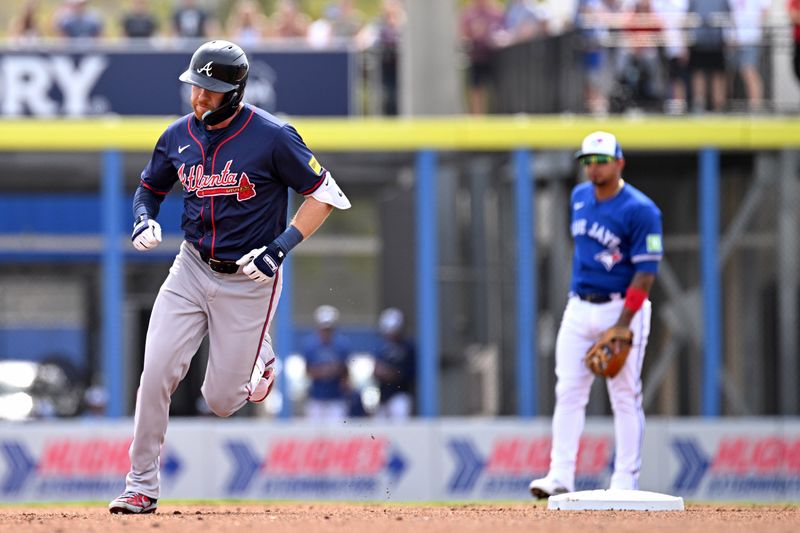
<point>235,164</point>
<point>617,234</point>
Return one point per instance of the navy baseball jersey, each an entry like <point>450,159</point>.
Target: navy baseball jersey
<point>317,354</point>
<point>614,239</point>
<point>399,357</point>
<point>235,194</point>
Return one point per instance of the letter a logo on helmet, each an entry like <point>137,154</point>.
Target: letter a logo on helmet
<point>206,68</point>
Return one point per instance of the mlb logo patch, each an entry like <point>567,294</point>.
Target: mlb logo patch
<point>654,244</point>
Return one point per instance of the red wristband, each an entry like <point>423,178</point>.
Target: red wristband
<point>634,298</point>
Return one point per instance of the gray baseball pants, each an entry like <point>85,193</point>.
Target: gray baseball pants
<point>194,301</point>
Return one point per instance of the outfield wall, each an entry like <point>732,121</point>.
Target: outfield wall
<point>444,460</point>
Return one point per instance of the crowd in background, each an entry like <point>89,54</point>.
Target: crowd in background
<point>658,55</point>
<point>334,391</point>
<point>682,53</point>
<point>246,22</point>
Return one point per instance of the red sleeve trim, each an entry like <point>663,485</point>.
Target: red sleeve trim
<point>148,187</point>
<point>314,187</point>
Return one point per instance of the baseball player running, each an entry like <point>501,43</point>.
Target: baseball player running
<point>235,164</point>
<point>617,233</point>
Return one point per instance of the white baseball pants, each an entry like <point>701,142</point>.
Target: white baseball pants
<point>581,325</point>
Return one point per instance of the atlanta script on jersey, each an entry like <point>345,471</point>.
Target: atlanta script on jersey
<point>614,239</point>
<point>235,194</point>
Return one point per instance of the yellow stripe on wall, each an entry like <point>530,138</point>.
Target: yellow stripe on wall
<point>441,133</point>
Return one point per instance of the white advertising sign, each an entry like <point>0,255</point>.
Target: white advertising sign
<point>438,460</point>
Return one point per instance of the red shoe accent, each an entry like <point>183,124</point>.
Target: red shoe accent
<point>132,503</point>
<point>259,394</point>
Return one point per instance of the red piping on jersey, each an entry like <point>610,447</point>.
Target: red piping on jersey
<point>202,160</point>
<point>266,322</point>
<point>316,185</point>
<point>214,159</point>
<point>152,189</point>
<point>213,227</point>
<point>202,150</point>
<point>200,242</point>
<point>213,162</point>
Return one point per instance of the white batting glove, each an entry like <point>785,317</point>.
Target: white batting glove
<point>146,235</point>
<point>250,268</point>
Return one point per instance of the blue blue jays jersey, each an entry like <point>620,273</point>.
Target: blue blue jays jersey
<point>235,180</point>
<point>614,239</point>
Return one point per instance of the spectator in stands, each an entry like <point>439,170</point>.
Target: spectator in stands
<point>77,21</point>
<point>247,25</point>
<point>192,22</point>
<point>673,14</point>
<point>711,18</point>
<point>525,19</point>
<point>395,367</point>
<point>481,25</point>
<point>288,22</point>
<point>340,23</point>
<point>794,15</point>
<point>140,22</point>
<point>346,20</point>
<point>320,31</point>
<point>383,35</point>
<point>326,352</point>
<point>592,21</point>
<point>749,17</point>
<point>24,28</point>
<point>638,60</point>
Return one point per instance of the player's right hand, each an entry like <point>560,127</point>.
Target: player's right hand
<point>146,234</point>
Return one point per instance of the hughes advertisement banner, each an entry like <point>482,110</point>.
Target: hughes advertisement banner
<point>363,460</point>
<point>48,83</point>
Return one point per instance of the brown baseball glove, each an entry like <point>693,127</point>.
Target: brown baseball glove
<point>607,356</point>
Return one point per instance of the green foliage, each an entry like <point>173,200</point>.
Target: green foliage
<point>112,10</point>
<point>314,8</point>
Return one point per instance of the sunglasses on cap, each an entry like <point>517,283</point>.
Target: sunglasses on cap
<point>596,159</point>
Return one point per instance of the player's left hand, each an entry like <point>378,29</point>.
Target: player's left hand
<point>261,264</point>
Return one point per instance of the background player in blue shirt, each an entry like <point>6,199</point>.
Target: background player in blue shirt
<point>394,366</point>
<point>618,246</point>
<point>235,164</point>
<point>326,352</point>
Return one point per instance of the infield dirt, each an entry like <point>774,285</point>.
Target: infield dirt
<point>271,517</point>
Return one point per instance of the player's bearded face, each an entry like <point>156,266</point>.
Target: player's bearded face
<point>603,173</point>
<point>204,100</point>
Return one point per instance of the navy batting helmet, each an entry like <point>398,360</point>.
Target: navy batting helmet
<point>221,67</point>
